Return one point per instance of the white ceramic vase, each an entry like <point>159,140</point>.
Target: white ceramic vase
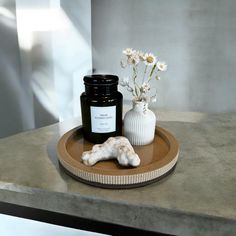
<point>139,124</point>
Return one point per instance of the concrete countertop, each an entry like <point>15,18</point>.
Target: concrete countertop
<point>198,198</point>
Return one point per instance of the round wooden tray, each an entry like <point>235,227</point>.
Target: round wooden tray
<point>158,159</point>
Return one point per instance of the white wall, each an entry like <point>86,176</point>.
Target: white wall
<point>14,113</point>
<point>45,50</point>
<point>40,76</point>
<point>55,41</point>
<point>195,38</point>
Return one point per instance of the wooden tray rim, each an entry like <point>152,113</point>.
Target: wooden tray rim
<point>164,165</point>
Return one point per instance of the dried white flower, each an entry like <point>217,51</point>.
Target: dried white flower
<point>123,63</point>
<point>145,87</point>
<point>128,51</point>
<point>149,59</point>
<point>130,89</point>
<point>141,55</point>
<point>133,59</point>
<point>124,82</point>
<point>161,66</point>
<point>146,98</point>
<point>153,99</point>
<point>139,81</point>
<point>126,79</point>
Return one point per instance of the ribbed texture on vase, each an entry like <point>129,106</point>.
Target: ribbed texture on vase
<point>139,127</point>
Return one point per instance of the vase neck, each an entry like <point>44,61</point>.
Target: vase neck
<point>140,106</point>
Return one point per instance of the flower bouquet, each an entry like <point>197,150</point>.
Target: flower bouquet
<point>144,67</point>
<point>140,122</point>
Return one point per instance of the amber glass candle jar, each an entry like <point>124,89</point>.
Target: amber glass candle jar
<point>101,108</point>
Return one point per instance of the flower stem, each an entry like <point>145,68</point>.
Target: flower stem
<point>136,87</point>
<point>151,73</point>
<point>145,71</point>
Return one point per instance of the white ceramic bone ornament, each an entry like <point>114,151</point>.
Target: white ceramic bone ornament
<point>114,148</point>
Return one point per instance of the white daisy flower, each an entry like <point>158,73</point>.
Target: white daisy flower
<point>128,51</point>
<point>133,59</point>
<point>161,66</point>
<point>141,55</point>
<point>150,59</point>
<point>145,87</point>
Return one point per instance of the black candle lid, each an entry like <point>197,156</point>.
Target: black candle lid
<point>101,79</point>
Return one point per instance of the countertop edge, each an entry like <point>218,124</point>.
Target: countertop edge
<point>169,221</point>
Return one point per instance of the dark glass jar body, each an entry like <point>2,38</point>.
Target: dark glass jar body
<point>101,108</point>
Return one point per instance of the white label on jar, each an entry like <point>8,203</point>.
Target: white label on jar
<point>103,119</point>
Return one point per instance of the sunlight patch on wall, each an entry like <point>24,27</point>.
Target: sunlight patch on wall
<point>55,54</point>
<point>6,13</point>
<point>44,20</point>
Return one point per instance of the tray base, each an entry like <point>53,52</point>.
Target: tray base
<point>158,160</point>
<point>118,186</point>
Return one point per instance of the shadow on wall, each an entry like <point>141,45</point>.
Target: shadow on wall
<point>57,55</point>
<point>41,77</point>
<point>12,97</point>
<point>17,102</point>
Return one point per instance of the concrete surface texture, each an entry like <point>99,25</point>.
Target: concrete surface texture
<point>199,198</point>
<point>195,38</point>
